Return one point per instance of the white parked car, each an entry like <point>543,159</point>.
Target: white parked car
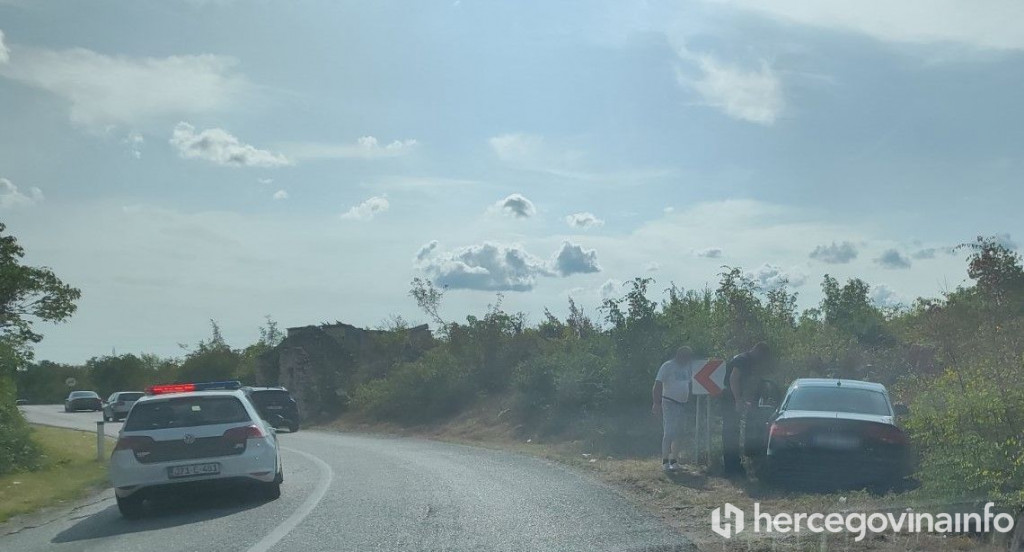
<point>117,405</point>
<point>201,434</point>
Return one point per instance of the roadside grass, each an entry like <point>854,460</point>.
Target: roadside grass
<point>685,500</point>
<point>69,471</point>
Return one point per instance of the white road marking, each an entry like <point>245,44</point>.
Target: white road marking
<point>282,530</point>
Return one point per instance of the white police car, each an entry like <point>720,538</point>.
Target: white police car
<point>198,434</point>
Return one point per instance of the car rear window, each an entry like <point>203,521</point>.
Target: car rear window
<point>839,399</point>
<point>129,396</point>
<point>83,395</point>
<point>263,398</point>
<point>186,412</point>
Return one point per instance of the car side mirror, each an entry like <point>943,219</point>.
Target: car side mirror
<point>900,409</point>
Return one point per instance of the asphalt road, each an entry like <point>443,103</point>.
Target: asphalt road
<point>361,493</point>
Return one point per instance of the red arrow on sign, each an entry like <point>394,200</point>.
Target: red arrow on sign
<point>703,377</point>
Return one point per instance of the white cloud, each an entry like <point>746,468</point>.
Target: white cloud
<point>926,253</point>
<point>754,96</point>
<point>426,250</point>
<point>5,54</point>
<point>835,253</point>
<point>583,221</point>
<point>107,90</point>
<point>367,209</point>
<point>499,267</point>
<point>517,147</point>
<point>709,252</point>
<point>280,194</point>
<point>884,296</point>
<point>265,180</point>
<point>610,289</point>
<point>11,197</point>
<point>219,146</point>
<point>892,258</point>
<point>652,266</point>
<point>488,266</point>
<point>770,276</point>
<point>992,24</point>
<point>573,259</point>
<point>366,147</point>
<point>134,142</point>
<point>516,205</point>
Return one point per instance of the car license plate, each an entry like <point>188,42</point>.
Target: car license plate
<point>844,442</point>
<point>192,470</point>
<point>274,407</point>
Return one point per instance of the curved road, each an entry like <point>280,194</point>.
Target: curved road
<point>361,493</point>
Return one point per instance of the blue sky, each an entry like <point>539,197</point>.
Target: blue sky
<point>187,160</point>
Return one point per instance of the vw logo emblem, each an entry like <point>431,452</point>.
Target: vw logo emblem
<point>189,439</point>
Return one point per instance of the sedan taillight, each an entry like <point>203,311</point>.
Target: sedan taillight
<point>887,434</point>
<point>784,429</point>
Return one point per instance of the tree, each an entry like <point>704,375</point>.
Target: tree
<point>27,294</point>
<point>212,360</point>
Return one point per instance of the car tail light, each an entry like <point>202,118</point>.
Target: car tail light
<point>241,433</point>
<point>137,444</point>
<point>887,434</point>
<point>783,429</point>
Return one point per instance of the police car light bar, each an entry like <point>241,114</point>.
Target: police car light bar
<point>189,387</point>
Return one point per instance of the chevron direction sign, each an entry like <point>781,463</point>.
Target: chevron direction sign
<point>708,376</point>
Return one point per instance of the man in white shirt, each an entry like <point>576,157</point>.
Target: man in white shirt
<point>671,391</point>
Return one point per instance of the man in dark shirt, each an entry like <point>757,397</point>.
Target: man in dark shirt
<point>738,399</point>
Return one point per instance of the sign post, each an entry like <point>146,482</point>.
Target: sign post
<point>708,381</point>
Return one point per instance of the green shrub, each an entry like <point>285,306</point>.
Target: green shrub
<point>432,387</point>
<point>17,451</point>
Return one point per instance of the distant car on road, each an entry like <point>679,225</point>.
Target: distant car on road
<point>21,402</point>
<point>117,405</point>
<point>275,405</point>
<point>83,400</point>
<point>193,435</point>
<point>837,433</point>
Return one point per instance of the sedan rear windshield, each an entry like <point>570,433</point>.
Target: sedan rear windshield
<point>839,399</point>
<point>129,396</point>
<point>84,395</point>
<point>263,398</point>
<point>186,412</point>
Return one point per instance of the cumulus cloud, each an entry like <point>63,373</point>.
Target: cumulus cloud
<point>610,289</point>
<point>926,253</point>
<point>265,180</point>
<point>104,90</point>
<point>280,194</point>
<point>516,205</point>
<point>573,259</point>
<point>994,24</point>
<point>884,296</point>
<point>516,147</point>
<point>583,221</point>
<point>5,54</point>
<point>835,253</point>
<point>892,258</point>
<point>134,142</point>
<point>426,250</point>
<point>366,147</point>
<point>709,252</point>
<point>11,197</point>
<point>753,96</point>
<point>367,209</point>
<point>488,266</point>
<point>652,266</point>
<point>498,267</point>
<point>219,146</point>
<point>770,276</point>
